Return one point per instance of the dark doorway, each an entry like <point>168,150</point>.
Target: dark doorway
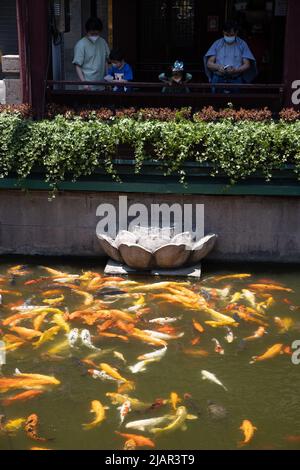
<point>167,31</point>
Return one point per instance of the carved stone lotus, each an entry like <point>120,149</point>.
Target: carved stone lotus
<point>147,249</point>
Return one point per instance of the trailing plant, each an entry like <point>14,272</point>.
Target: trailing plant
<point>70,147</point>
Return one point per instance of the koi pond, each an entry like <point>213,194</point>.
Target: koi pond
<point>97,362</point>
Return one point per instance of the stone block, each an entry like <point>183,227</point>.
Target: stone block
<point>13,91</point>
<point>11,64</point>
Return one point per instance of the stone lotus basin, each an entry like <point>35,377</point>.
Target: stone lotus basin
<point>155,249</point>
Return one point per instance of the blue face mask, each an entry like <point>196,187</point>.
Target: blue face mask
<point>229,39</point>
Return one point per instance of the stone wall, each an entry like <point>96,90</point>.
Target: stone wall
<point>250,228</point>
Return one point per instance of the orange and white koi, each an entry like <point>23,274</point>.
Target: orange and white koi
<point>218,347</point>
<point>125,408</point>
<point>31,426</point>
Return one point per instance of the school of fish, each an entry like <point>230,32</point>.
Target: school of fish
<point>88,319</point>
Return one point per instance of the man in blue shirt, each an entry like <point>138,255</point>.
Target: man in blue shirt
<point>229,60</point>
<point>119,71</point>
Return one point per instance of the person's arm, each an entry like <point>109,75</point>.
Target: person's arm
<point>212,66</point>
<point>78,61</point>
<point>246,66</point>
<point>81,76</point>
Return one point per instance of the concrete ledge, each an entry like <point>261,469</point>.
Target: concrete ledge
<point>250,228</point>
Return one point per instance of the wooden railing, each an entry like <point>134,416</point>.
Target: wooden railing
<point>150,94</point>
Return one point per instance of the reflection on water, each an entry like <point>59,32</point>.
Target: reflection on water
<point>181,365</point>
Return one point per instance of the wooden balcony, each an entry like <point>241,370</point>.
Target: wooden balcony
<point>144,94</point>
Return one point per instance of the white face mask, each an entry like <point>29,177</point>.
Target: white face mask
<point>93,38</point>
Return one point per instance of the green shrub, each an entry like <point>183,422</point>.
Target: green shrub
<point>64,148</point>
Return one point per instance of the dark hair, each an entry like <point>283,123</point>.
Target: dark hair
<point>93,24</point>
<point>116,54</point>
<point>230,25</point>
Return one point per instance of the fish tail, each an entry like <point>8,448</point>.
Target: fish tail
<point>240,444</point>
<point>253,360</point>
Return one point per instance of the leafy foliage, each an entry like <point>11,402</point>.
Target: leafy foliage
<point>71,146</point>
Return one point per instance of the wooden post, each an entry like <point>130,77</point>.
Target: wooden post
<point>292,56</point>
<point>33,30</point>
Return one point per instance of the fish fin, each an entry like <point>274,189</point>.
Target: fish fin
<point>191,417</point>
<point>183,427</point>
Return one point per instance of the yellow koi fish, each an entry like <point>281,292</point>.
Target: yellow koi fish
<point>179,422</point>
<point>56,301</point>
<point>248,430</point>
<point>14,424</point>
<point>48,335</point>
<point>112,372</point>
<point>60,321</point>
<point>99,410</point>
<point>174,399</point>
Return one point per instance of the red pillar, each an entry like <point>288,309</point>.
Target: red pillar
<point>292,56</point>
<point>32,17</point>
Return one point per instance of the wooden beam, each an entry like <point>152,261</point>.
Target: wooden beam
<point>33,30</point>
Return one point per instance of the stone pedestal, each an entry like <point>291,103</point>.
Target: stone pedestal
<point>117,269</point>
<point>12,82</point>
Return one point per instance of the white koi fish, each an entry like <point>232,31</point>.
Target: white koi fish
<point>229,335</point>
<point>159,335</point>
<point>120,356</point>
<point>165,320</point>
<point>140,366</point>
<point>158,354</point>
<point>73,337</point>
<point>146,424</point>
<point>86,340</point>
<point>249,296</point>
<point>97,374</point>
<point>212,378</point>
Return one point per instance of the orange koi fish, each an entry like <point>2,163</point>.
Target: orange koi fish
<point>271,287</point>
<point>259,333</point>
<point>114,335</point>
<point>198,327</point>
<point>196,352</point>
<point>24,396</point>
<point>141,441</point>
<point>273,351</point>
<point>26,333</point>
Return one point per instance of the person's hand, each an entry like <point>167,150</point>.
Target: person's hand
<point>221,69</point>
<point>87,87</point>
<point>231,70</point>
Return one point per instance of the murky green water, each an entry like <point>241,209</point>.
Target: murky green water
<point>266,392</point>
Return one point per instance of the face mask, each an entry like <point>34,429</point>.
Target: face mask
<point>229,39</point>
<point>93,38</point>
